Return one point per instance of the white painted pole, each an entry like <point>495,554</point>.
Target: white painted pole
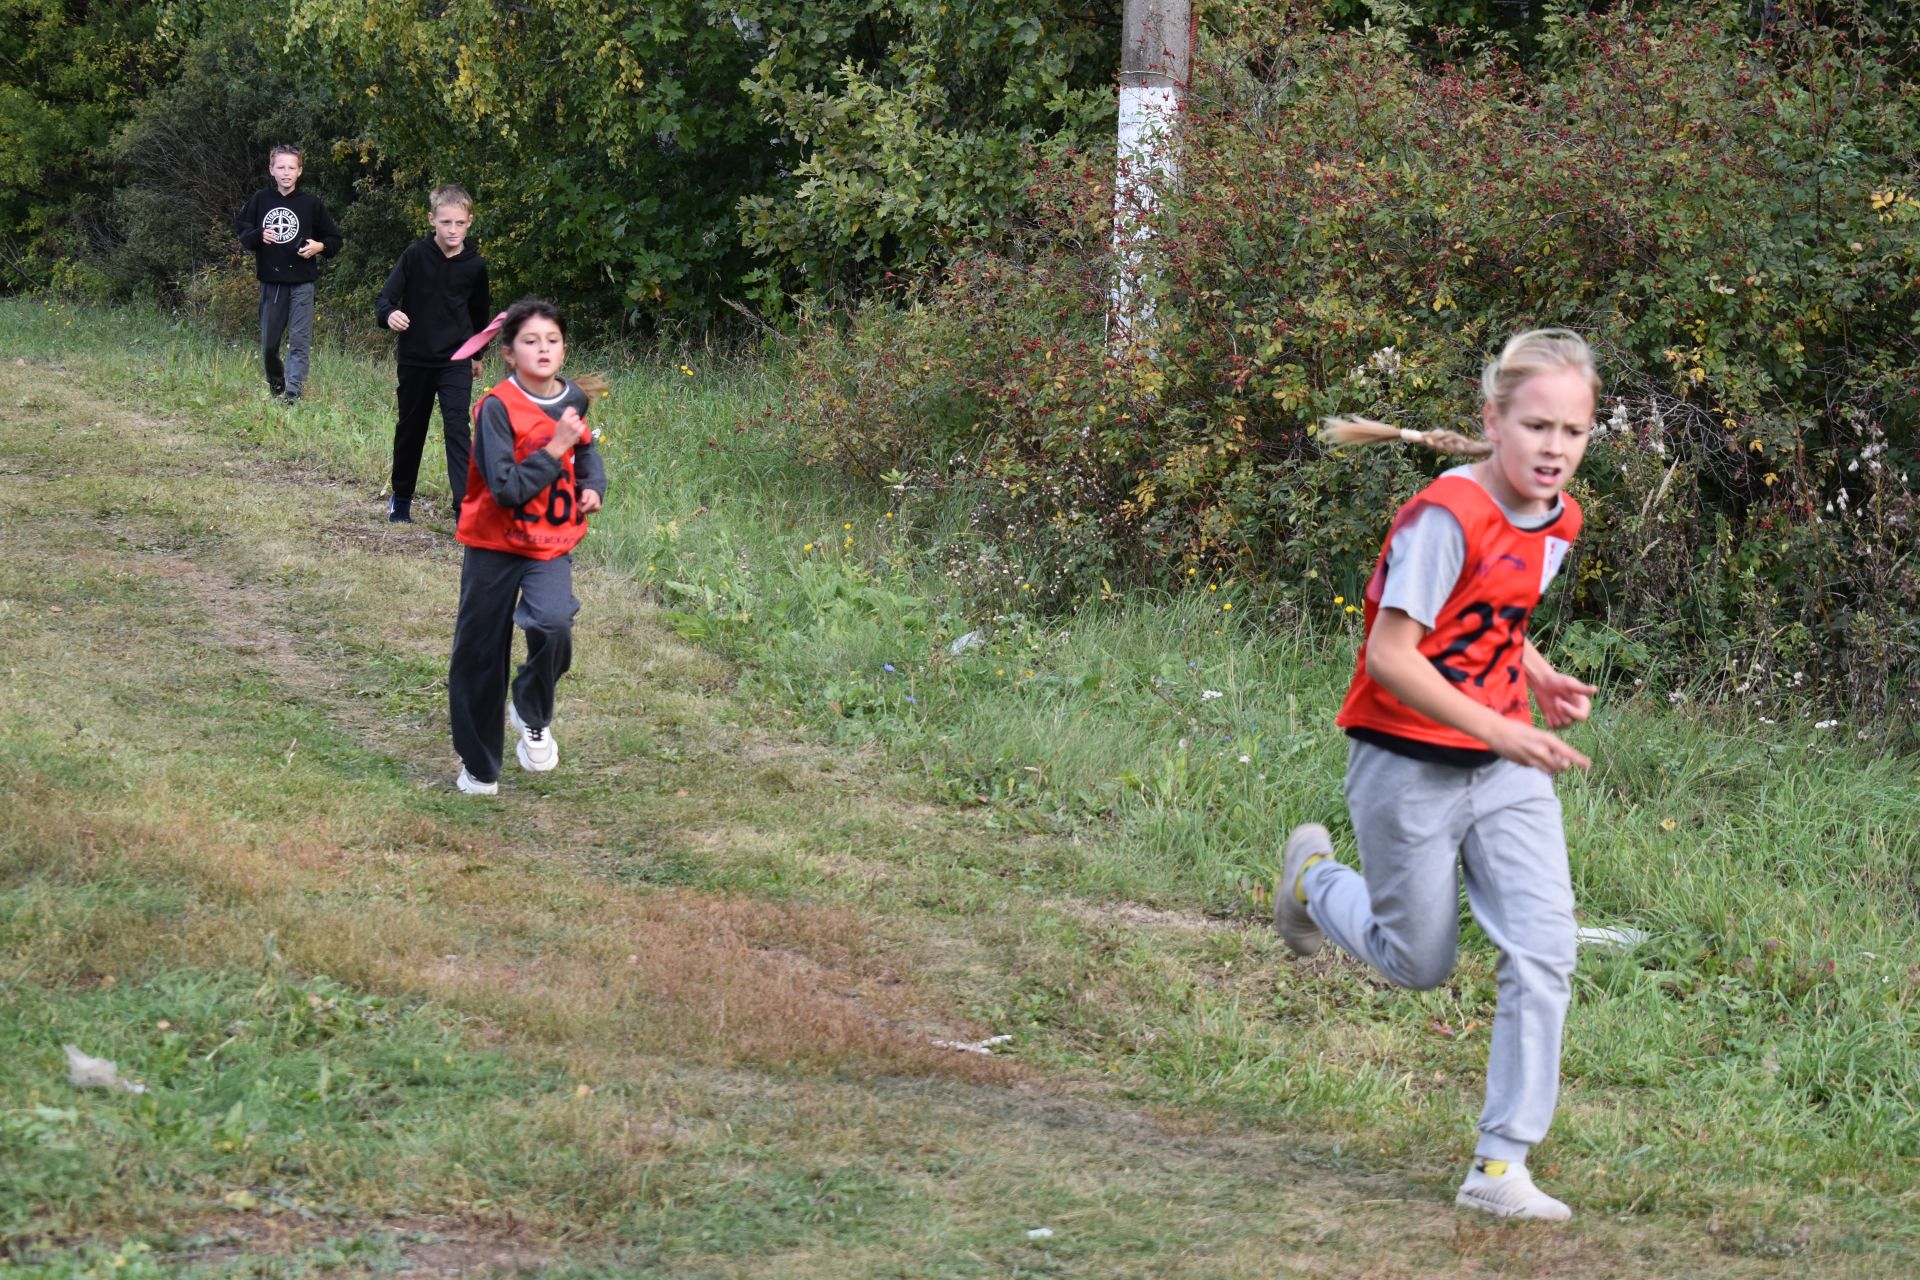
<point>1156,58</point>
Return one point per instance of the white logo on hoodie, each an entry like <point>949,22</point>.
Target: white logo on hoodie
<point>281,224</point>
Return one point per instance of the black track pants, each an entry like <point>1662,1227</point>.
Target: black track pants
<point>419,387</point>
<point>499,591</point>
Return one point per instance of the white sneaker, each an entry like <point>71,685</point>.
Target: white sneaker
<point>1506,1190</point>
<point>474,787</point>
<point>537,750</point>
<point>1297,929</point>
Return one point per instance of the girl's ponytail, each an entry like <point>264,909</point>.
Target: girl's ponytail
<point>1535,351</point>
<point>1367,431</point>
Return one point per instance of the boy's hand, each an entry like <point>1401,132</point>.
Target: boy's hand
<point>1524,744</point>
<point>479,371</point>
<point>310,248</point>
<point>589,501</point>
<point>398,321</point>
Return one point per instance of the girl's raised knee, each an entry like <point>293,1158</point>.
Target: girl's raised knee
<point>1417,973</point>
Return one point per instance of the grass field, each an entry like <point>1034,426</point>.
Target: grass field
<point>670,1010</point>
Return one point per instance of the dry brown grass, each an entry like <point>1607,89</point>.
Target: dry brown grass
<point>709,978</point>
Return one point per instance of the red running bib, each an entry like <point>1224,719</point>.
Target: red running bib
<point>1481,632</point>
<point>547,525</point>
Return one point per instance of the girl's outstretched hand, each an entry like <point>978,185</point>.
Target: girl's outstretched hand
<point>1524,744</point>
<point>1563,700</point>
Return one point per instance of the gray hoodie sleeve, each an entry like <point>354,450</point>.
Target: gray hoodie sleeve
<point>589,472</point>
<point>511,483</point>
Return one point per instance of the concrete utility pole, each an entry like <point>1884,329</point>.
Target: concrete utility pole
<point>1156,58</point>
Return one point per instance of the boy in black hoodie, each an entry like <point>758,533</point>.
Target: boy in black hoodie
<point>286,229</point>
<point>435,298</point>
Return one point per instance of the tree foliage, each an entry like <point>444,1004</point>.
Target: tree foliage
<point>74,72</point>
<point>607,143</point>
<point>914,125</point>
<point>1731,220</point>
<point>634,161</point>
<point>619,151</point>
<point>637,161</point>
<point>197,146</point>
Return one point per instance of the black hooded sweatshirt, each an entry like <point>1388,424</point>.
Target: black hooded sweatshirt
<point>446,299</point>
<point>297,212</point>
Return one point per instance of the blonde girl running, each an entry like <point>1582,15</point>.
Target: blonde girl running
<point>1447,775</point>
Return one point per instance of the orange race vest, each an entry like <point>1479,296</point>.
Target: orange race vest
<point>1481,632</point>
<point>547,525</point>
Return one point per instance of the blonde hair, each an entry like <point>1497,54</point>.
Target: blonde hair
<point>1526,354</point>
<point>450,194</point>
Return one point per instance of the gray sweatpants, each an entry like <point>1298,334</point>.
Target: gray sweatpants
<point>286,311</point>
<point>1415,824</point>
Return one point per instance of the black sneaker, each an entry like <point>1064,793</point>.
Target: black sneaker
<point>399,512</point>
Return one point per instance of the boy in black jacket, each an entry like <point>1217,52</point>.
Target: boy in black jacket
<point>286,229</point>
<point>435,298</point>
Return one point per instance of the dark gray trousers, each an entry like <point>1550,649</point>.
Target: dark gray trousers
<point>286,311</point>
<point>498,591</point>
<point>419,386</point>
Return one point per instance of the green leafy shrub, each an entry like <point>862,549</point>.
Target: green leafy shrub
<point>912,126</point>
<point>1730,221</point>
<point>226,299</point>
<point>74,74</point>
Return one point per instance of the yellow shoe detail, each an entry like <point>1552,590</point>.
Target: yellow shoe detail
<point>1300,881</point>
<point>1492,1168</point>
